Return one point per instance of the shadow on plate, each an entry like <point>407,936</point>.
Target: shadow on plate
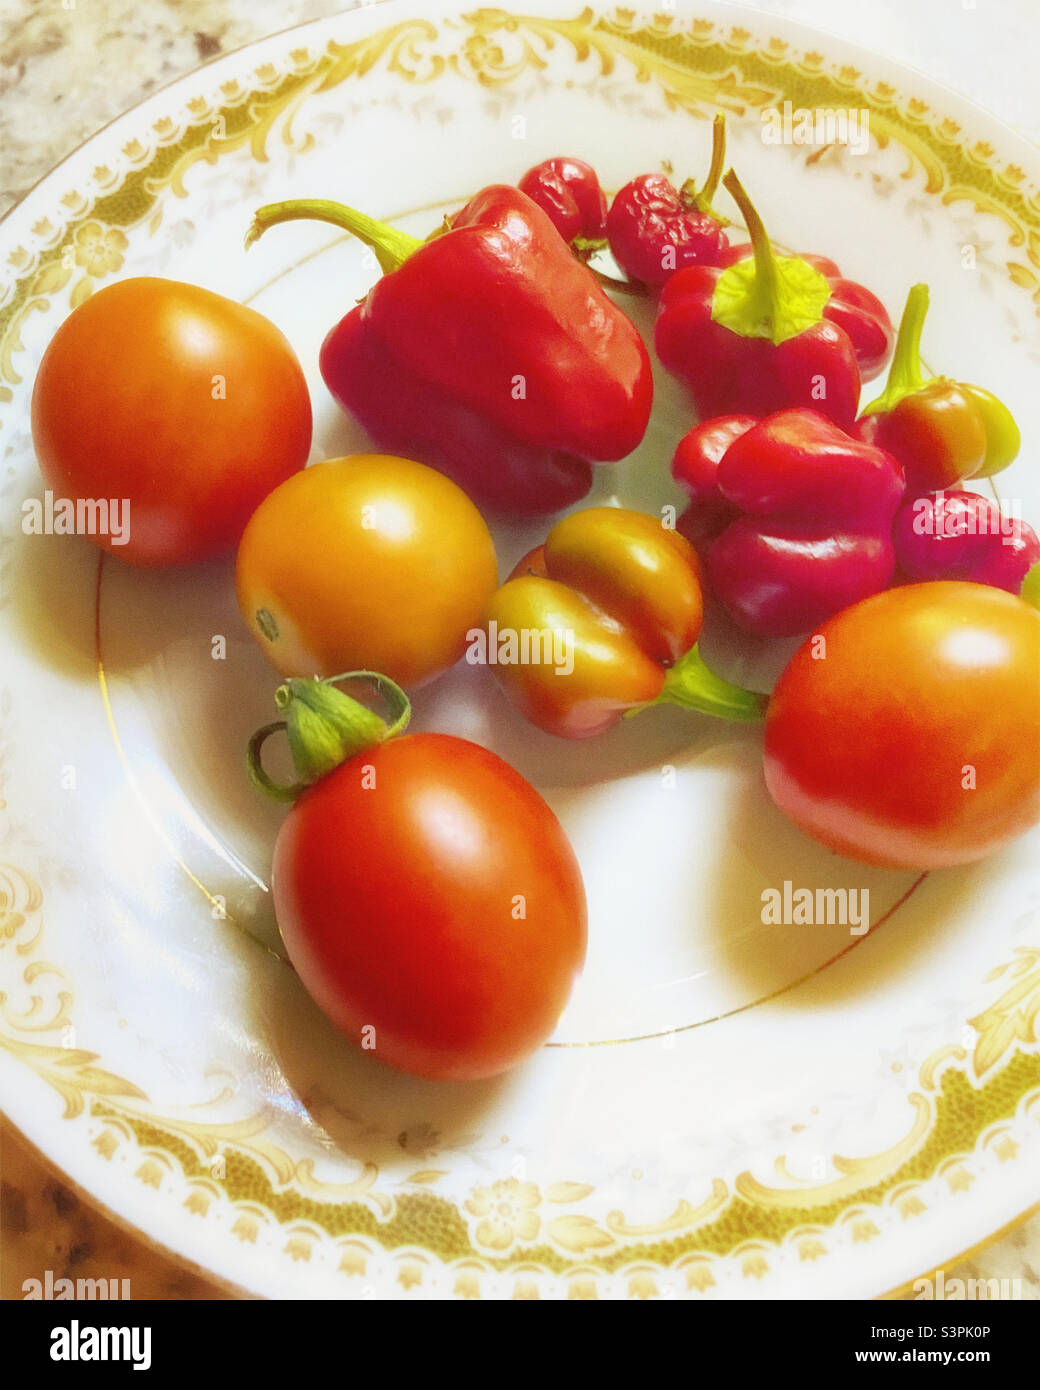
<point>366,1109</point>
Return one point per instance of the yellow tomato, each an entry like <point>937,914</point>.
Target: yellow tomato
<point>365,563</point>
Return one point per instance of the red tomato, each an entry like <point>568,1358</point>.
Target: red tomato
<point>426,892</point>
<point>190,407</point>
<point>912,738</point>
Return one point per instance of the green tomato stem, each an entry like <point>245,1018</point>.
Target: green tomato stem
<point>325,727</point>
<point>392,247</point>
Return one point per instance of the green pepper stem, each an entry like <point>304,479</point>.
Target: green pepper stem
<point>767,279</point>
<point>586,246</point>
<point>692,684</point>
<point>906,374</point>
<point>392,247</point>
<point>325,727</point>
<point>701,200</point>
<point>906,360</point>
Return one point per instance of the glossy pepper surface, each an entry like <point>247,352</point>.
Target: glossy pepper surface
<point>960,535</point>
<point>810,511</point>
<point>942,431</point>
<point>695,468</point>
<point>655,229</point>
<point>488,351</point>
<point>756,336</point>
<point>621,596</point>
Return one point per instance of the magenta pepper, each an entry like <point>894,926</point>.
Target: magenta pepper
<point>960,535</point>
<point>811,512</point>
<point>695,468</point>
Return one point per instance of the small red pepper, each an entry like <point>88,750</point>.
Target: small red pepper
<point>812,512</point>
<point>960,535</point>
<point>489,352</point>
<point>851,306</point>
<point>568,192</point>
<point>941,431</point>
<point>655,229</point>
<point>755,336</point>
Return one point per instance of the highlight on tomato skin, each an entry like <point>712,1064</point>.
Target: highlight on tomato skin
<point>433,906</point>
<point>906,732</point>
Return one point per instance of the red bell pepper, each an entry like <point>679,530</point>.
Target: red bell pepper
<point>757,336</point>
<point>941,431</point>
<point>655,229</point>
<point>810,511</point>
<point>489,352</point>
<point>568,192</point>
<point>960,535</point>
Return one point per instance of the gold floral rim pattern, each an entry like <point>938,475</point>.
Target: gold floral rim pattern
<point>965,1105</point>
<point>963,1108</point>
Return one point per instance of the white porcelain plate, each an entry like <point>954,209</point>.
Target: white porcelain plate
<point>728,1109</point>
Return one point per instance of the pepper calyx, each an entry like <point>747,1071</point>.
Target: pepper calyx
<point>584,248</point>
<point>766,295</point>
<point>325,727</point>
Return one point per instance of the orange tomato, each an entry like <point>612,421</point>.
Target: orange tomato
<point>910,736</point>
<point>182,403</point>
<point>365,563</point>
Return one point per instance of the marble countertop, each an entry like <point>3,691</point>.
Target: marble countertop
<point>67,67</point>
